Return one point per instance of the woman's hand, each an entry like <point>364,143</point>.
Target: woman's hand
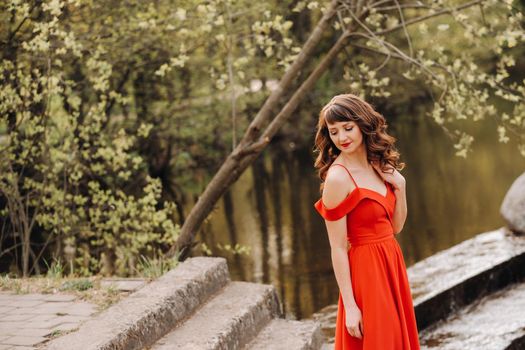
<point>354,321</point>
<point>395,177</point>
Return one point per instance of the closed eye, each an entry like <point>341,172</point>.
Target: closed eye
<point>346,129</point>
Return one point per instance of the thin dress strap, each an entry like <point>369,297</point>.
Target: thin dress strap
<point>348,174</point>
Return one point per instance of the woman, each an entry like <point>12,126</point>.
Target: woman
<point>364,206</point>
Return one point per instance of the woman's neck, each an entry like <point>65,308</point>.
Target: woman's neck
<point>357,159</point>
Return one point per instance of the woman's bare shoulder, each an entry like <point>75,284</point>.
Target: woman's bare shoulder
<point>337,185</point>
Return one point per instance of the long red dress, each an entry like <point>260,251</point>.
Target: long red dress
<point>378,273</point>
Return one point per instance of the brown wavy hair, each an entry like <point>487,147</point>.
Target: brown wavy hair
<point>379,145</point>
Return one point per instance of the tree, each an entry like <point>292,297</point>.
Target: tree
<point>94,116</point>
<point>464,89</point>
<point>109,109</point>
<point>70,173</point>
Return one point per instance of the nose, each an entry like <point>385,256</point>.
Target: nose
<point>342,137</point>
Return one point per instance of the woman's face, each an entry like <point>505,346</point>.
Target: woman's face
<point>346,136</point>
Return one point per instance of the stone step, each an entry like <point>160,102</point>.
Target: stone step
<point>448,280</point>
<point>327,317</point>
<point>229,320</point>
<point>148,314</point>
<point>282,334</point>
<point>495,322</point>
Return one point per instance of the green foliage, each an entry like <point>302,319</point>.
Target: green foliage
<point>237,249</point>
<point>155,267</point>
<point>465,61</point>
<point>110,110</point>
<point>67,157</point>
<point>11,284</point>
<point>56,270</point>
<point>78,285</point>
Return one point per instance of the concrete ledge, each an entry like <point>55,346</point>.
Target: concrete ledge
<point>282,334</point>
<point>494,322</point>
<point>146,315</point>
<point>455,277</point>
<point>327,317</point>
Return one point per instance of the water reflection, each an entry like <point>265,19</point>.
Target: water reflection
<point>270,209</point>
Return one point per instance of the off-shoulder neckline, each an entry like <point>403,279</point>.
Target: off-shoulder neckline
<point>356,190</point>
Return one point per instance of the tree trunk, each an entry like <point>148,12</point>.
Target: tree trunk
<point>252,142</point>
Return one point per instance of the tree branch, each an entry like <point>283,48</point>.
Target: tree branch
<point>403,23</point>
<point>235,163</point>
<point>404,6</point>
<point>372,36</point>
<point>435,14</point>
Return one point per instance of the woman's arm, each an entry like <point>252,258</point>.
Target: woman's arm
<point>339,253</point>
<point>335,190</point>
<point>400,210</point>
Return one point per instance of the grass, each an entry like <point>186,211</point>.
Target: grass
<point>56,270</point>
<point>55,333</point>
<point>87,289</point>
<point>153,268</point>
<point>80,285</point>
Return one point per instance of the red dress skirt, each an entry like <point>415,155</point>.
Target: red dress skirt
<point>378,273</point>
